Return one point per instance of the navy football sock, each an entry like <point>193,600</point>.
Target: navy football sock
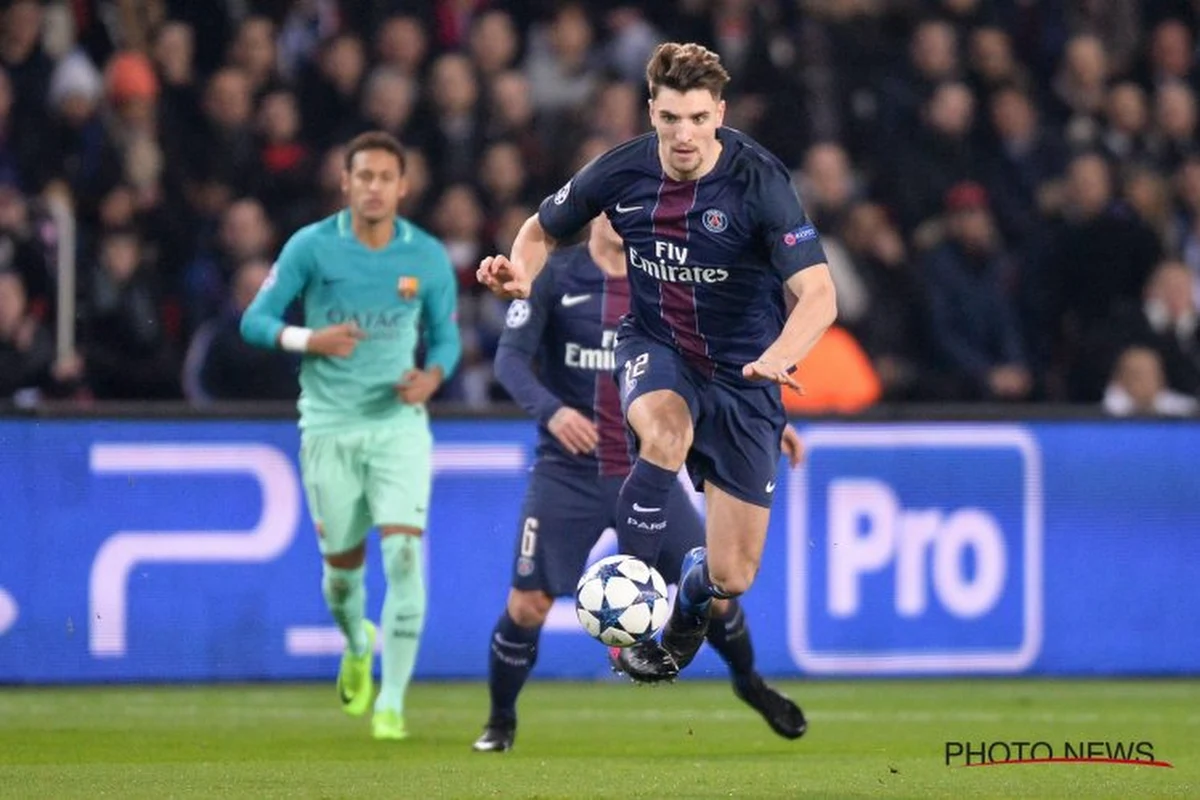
<point>513,654</point>
<point>642,510</point>
<point>730,637</point>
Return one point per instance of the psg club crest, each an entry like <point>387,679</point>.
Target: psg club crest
<point>407,287</point>
<point>715,220</point>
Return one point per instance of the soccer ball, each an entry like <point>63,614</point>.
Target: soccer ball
<point>621,601</point>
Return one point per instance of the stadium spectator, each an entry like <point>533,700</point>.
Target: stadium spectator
<point>222,147</point>
<point>494,43</point>
<point>329,89</point>
<point>245,233</point>
<point>618,113</point>
<point>220,365</point>
<point>974,323</point>
<point>23,58</point>
<point>14,158</point>
<point>940,154</point>
<point>26,347</point>
<point>1022,168</point>
<point>1127,117</point>
<point>286,161</point>
<point>1166,322</point>
<point>827,185</point>
<point>561,63</point>
<point>173,52</point>
<point>253,52</point>
<point>891,328</point>
<point>1171,55</point>
<point>456,141</point>
<point>22,253</point>
<point>933,60</point>
<point>73,144</point>
<point>1174,136</point>
<point>402,42</point>
<point>1099,257</point>
<point>502,175</point>
<point>388,102</point>
<point>125,348</point>
<point>1138,388</point>
<point>631,39</point>
<point>1079,90</point>
<point>992,63</point>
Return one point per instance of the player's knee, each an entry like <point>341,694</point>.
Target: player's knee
<point>529,609</point>
<point>667,443</point>
<point>401,558</point>
<point>349,559</point>
<point>732,579</point>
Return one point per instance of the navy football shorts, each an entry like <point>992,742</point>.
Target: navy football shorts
<point>736,428</point>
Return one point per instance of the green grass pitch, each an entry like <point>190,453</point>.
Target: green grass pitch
<point>608,739</point>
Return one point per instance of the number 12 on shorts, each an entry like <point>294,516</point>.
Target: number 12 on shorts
<point>634,369</point>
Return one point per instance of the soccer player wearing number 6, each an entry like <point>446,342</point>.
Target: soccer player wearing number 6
<point>568,325</point>
<point>373,284</point>
<point>713,233</point>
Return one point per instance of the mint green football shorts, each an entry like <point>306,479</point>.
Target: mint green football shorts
<point>359,479</point>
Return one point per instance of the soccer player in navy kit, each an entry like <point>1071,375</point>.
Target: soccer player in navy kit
<point>713,231</point>
<point>567,326</point>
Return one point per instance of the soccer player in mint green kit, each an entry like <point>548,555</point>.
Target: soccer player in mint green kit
<point>373,284</point>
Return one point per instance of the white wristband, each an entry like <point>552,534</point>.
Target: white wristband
<point>295,339</point>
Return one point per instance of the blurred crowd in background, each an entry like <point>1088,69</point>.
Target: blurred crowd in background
<point>1008,191</point>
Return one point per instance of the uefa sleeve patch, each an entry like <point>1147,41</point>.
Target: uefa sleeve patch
<point>518,314</point>
<point>272,276</point>
<point>801,234</point>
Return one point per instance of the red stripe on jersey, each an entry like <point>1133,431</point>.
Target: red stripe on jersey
<point>677,301</point>
<point>612,452</point>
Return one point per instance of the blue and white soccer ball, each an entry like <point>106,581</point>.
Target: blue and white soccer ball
<point>621,601</point>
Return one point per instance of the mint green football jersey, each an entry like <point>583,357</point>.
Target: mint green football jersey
<point>396,295</point>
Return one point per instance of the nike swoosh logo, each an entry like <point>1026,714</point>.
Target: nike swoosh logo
<point>770,487</point>
<point>569,300</point>
<point>620,209</point>
<point>642,510</point>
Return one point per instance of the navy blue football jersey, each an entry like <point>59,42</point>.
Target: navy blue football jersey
<point>707,258</point>
<point>568,326</point>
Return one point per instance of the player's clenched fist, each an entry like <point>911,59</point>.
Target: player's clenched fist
<point>336,340</point>
<point>503,278</point>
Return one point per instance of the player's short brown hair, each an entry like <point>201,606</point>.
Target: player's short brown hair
<point>684,67</point>
<point>374,140</point>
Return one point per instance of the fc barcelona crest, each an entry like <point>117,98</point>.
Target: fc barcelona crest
<point>407,287</point>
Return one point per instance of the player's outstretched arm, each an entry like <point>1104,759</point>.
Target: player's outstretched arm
<point>814,312</point>
<point>512,277</point>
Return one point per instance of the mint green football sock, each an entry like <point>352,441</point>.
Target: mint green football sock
<point>403,617</point>
<point>346,596</point>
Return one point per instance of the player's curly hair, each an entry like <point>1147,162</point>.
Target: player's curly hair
<point>374,140</point>
<point>684,67</point>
